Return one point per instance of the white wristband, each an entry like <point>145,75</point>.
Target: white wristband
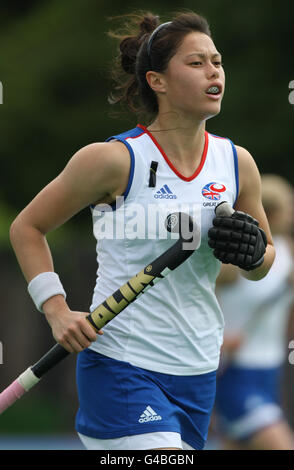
<point>44,286</point>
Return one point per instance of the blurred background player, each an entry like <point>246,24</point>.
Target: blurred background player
<point>249,386</point>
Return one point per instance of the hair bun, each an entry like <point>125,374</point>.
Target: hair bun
<point>149,23</point>
<point>130,45</point>
<point>129,48</point>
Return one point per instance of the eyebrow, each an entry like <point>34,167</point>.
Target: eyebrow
<point>204,55</point>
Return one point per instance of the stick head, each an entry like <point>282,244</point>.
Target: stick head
<point>189,232</point>
<point>181,223</point>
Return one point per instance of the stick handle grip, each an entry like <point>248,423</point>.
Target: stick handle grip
<point>55,355</point>
<point>224,209</point>
<point>17,389</point>
<point>10,395</point>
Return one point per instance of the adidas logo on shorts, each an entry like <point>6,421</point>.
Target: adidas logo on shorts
<point>149,415</point>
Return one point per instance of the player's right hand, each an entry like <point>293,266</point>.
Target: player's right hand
<point>69,328</point>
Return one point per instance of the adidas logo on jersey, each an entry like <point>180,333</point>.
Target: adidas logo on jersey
<point>165,193</point>
<point>149,415</point>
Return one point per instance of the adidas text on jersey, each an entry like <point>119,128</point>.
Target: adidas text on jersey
<point>165,193</point>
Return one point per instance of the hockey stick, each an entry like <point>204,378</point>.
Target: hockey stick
<point>189,236</point>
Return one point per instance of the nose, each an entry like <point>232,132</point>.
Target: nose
<point>212,71</point>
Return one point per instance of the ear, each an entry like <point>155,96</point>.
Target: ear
<point>156,81</point>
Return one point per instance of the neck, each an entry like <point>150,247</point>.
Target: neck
<point>182,140</point>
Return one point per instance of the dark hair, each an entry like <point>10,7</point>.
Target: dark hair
<point>133,61</point>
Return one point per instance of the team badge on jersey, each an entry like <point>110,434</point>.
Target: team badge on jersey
<point>213,191</point>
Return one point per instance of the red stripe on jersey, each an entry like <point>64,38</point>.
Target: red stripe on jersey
<point>185,178</point>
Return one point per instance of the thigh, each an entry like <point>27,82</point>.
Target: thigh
<point>277,436</point>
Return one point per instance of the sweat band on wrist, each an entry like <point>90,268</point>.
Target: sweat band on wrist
<point>44,286</point>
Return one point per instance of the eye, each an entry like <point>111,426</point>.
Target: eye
<point>218,63</point>
<point>196,63</point>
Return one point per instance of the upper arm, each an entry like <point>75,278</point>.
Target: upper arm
<point>250,199</point>
<point>96,173</point>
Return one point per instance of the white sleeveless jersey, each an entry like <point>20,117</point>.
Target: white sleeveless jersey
<point>259,310</point>
<point>175,327</point>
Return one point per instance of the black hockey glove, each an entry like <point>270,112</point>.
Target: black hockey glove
<point>238,240</point>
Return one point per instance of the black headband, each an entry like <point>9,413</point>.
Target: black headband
<point>154,33</point>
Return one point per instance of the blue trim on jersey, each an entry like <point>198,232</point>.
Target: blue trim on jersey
<point>135,132</point>
<point>132,170</point>
<point>121,138</point>
<point>236,163</point>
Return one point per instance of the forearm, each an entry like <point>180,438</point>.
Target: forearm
<point>73,332</point>
<point>259,273</point>
<point>31,250</point>
<point>34,257</point>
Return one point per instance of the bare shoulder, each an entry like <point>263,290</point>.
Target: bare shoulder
<point>249,177</point>
<point>96,173</point>
<point>104,165</point>
<point>249,198</point>
<point>102,156</point>
<point>246,162</point>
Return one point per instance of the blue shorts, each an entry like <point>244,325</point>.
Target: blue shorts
<point>118,399</point>
<point>247,400</point>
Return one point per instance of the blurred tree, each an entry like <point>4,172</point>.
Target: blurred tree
<point>11,10</point>
<point>54,69</point>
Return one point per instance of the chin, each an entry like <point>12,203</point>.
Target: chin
<point>214,109</point>
<point>213,115</point>
<point>205,115</point>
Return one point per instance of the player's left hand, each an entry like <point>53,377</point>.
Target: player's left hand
<point>238,240</point>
